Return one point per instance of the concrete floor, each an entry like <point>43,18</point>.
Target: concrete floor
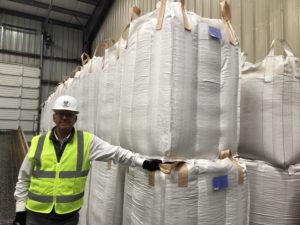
<point>8,177</point>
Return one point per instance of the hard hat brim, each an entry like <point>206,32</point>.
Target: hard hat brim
<point>64,109</point>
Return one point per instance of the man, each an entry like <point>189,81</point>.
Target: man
<point>52,177</point>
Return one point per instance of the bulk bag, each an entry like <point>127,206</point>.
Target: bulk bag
<point>179,86</point>
<point>104,201</point>
<point>83,212</point>
<point>274,193</point>
<point>76,91</point>
<point>106,89</point>
<point>90,77</point>
<point>194,192</point>
<point>270,115</point>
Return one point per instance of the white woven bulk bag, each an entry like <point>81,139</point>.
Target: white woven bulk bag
<point>187,195</point>
<point>83,100</point>
<point>106,96</point>
<point>83,213</point>
<point>109,92</point>
<point>127,86</point>
<point>180,101</point>
<point>48,122</point>
<point>274,194</point>
<point>92,92</point>
<point>68,84</point>
<point>121,46</point>
<point>45,116</point>
<point>270,115</point>
<point>76,90</point>
<point>205,112</point>
<point>48,112</point>
<point>105,200</point>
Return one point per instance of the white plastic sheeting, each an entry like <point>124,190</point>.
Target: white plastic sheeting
<point>166,203</point>
<point>274,194</point>
<point>180,88</point>
<point>270,110</point>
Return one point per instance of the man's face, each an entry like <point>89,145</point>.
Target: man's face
<point>64,119</point>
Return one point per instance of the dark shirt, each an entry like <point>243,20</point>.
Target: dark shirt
<point>58,146</point>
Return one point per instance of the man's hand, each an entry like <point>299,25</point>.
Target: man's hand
<point>151,164</point>
<point>20,218</point>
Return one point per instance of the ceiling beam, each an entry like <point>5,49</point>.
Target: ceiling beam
<point>40,18</point>
<point>53,8</point>
<point>91,2</point>
<point>94,23</point>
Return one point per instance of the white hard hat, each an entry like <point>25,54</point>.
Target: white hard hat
<point>65,102</point>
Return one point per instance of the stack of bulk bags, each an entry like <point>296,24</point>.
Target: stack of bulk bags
<point>197,192</point>
<point>179,88</point>
<point>104,203</point>
<point>179,100</point>
<point>270,115</point>
<point>270,128</point>
<point>275,194</point>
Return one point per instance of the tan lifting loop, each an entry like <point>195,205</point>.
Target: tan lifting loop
<point>71,74</point>
<point>132,11</point>
<point>85,58</point>
<point>151,178</point>
<point>187,25</point>
<point>109,164</point>
<point>227,154</point>
<point>225,10</point>
<point>161,14</point>
<point>226,17</point>
<point>99,46</point>
<point>104,44</point>
<point>168,167</point>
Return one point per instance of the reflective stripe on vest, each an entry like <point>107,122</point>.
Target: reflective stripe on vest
<point>38,173</point>
<point>59,199</point>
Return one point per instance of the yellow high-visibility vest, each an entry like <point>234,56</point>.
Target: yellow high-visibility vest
<point>59,185</point>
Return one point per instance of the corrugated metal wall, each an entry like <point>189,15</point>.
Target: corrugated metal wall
<point>19,97</point>
<point>67,44</point>
<point>256,22</point>
<point>20,43</point>
<point>20,40</point>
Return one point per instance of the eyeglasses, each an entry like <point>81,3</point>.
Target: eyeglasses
<point>65,114</point>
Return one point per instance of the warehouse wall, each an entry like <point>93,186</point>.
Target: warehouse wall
<point>20,40</point>
<point>20,43</point>
<point>256,22</point>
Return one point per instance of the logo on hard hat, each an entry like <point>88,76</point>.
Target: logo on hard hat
<point>66,104</point>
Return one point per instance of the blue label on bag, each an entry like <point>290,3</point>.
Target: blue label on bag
<point>220,182</point>
<point>214,32</point>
